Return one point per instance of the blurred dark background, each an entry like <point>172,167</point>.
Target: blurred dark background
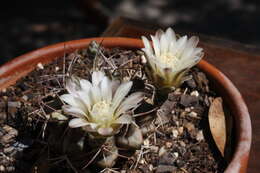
<point>30,24</point>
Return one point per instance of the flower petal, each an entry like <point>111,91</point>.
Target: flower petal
<point>95,94</point>
<point>85,97</point>
<point>105,131</point>
<point>170,35</point>
<point>130,102</point>
<point>106,89</point>
<point>73,101</point>
<point>77,122</point>
<point>159,33</point>
<point>147,45</point>
<point>77,112</point>
<point>124,119</point>
<point>97,77</point>
<point>156,46</point>
<point>114,85</point>
<point>72,85</point>
<point>85,85</point>
<point>180,45</point>
<point>120,94</point>
<point>164,44</point>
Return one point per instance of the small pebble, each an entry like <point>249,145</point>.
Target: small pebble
<point>193,114</point>
<point>182,144</point>
<point>195,93</point>
<point>180,130</point>
<point>146,142</point>
<point>200,136</point>
<point>25,97</point>
<point>190,126</point>
<point>168,144</point>
<point>175,133</point>
<point>40,66</point>
<point>2,168</point>
<point>150,167</point>
<point>176,154</point>
<point>187,110</point>
<point>57,68</point>
<point>142,161</point>
<point>162,151</point>
<point>4,90</point>
<point>177,91</point>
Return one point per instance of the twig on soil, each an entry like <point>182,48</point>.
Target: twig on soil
<point>125,157</point>
<point>70,65</point>
<point>122,65</point>
<point>48,106</point>
<point>109,62</point>
<point>109,169</point>
<point>150,86</point>
<point>45,122</point>
<point>139,157</point>
<point>145,113</point>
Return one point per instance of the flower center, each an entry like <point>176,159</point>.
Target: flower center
<point>169,59</point>
<point>101,113</point>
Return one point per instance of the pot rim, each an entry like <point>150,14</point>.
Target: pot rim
<point>20,66</point>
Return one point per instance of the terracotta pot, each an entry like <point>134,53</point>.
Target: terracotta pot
<point>22,65</point>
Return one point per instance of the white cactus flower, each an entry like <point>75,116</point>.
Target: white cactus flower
<point>169,57</point>
<point>101,106</point>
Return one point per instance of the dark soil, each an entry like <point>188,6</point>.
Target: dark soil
<point>176,133</point>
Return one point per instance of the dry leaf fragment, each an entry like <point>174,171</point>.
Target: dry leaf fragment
<point>217,124</point>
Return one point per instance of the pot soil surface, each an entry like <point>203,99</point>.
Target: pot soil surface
<point>35,137</point>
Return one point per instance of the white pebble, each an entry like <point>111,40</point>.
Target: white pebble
<point>193,114</point>
<point>2,168</point>
<point>25,97</point>
<point>40,66</point>
<point>175,133</point>
<point>187,109</point>
<point>142,161</point>
<point>146,142</point>
<point>57,68</point>
<point>162,151</point>
<point>168,144</point>
<point>180,130</point>
<point>151,167</point>
<point>200,136</point>
<point>176,154</point>
<point>195,93</point>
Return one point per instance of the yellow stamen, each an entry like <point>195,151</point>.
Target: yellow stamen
<point>101,113</point>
